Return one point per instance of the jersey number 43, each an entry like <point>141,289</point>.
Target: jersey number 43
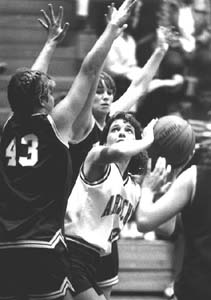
<point>30,141</point>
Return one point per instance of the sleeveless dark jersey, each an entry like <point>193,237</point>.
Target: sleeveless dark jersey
<point>35,179</point>
<point>79,151</point>
<point>194,280</point>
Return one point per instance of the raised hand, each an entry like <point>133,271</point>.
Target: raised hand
<point>166,37</point>
<point>157,179</point>
<point>120,16</point>
<point>53,24</point>
<point>148,132</point>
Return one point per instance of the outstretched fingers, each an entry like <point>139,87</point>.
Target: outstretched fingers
<point>53,24</point>
<point>46,23</point>
<point>128,4</point>
<point>149,166</point>
<point>52,15</point>
<point>60,16</point>
<point>111,10</point>
<point>65,28</point>
<point>131,4</point>
<point>162,170</point>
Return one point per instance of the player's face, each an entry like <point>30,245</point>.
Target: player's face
<point>103,100</point>
<point>120,130</point>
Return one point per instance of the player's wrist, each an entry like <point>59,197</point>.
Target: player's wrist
<point>51,43</point>
<point>162,47</point>
<point>147,192</point>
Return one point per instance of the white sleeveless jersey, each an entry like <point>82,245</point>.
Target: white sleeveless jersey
<point>97,211</point>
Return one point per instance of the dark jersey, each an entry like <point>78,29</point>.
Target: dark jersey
<point>79,151</point>
<point>194,280</point>
<point>35,179</point>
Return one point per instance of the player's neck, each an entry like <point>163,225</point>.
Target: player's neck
<point>100,120</point>
<point>122,165</point>
<point>40,110</point>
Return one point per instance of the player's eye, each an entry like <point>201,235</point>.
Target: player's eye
<point>113,129</point>
<point>100,90</point>
<point>129,129</point>
<point>110,92</point>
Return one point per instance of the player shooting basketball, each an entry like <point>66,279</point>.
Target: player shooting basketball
<point>103,199</point>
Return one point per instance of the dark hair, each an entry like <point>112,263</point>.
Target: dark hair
<point>106,79</point>
<point>25,89</point>
<point>138,163</point>
<point>128,117</point>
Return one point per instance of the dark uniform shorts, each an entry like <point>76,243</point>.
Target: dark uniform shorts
<point>34,273</point>
<point>83,262</point>
<point>108,268</point>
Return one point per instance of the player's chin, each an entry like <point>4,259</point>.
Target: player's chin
<point>120,140</point>
<point>105,108</point>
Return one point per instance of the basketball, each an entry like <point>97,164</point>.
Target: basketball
<point>174,139</point>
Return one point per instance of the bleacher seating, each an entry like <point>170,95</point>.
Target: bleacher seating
<point>22,38</point>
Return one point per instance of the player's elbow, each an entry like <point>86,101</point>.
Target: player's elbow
<point>88,68</point>
<point>143,224</point>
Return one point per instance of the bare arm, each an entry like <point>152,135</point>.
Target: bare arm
<point>140,85</point>
<point>167,229</point>
<point>176,81</point>
<point>68,112</point>
<point>100,156</point>
<point>152,214</point>
<point>55,34</point>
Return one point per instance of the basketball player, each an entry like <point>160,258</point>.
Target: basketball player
<point>103,199</point>
<point>190,196</point>
<point>107,272</point>
<point>36,173</point>
<point>102,107</point>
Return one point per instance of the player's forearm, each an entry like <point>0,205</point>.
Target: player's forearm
<point>142,220</point>
<point>140,85</point>
<point>166,229</point>
<point>43,60</point>
<point>130,148</point>
<point>97,55</point>
<point>120,151</point>
<point>151,67</point>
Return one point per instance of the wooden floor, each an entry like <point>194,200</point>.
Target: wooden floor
<point>145,269</point>
<point>129,297</point>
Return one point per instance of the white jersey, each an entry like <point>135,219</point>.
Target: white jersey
<point>97,211</point>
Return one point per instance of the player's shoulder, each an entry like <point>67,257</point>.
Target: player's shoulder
<point>188,177</point>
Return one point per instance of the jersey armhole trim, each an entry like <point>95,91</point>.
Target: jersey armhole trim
<point>86,135</point>
<point>50,119</point>
<point>96,182</point>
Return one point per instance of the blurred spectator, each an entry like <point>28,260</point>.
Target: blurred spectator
<point>176,15</point>
<point>202,22</point>
<point>121,62</point>
<point>82,12</point>
<point>201,63</point>
<point>96,14</point>
<point>168,14</point>
<point>145,31</point>
<point>180,19</point>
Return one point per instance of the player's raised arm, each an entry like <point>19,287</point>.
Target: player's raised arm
<point>56,32</point>
<point>67,113</point>
<point>119,147</point>
<point>143,81</point>
<point>151,214</point>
